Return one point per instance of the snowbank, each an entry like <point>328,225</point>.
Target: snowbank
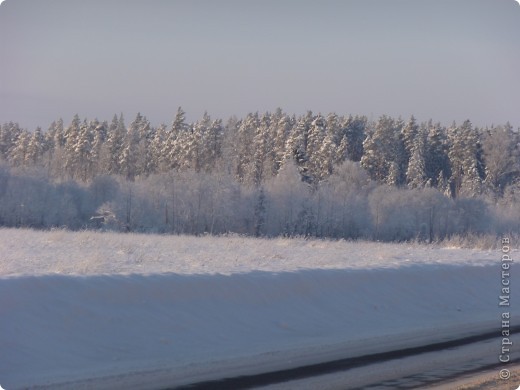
<point>173,328</point>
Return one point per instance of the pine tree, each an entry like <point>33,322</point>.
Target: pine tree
<point>472,179</point>
<point>296,147</point>
<point>384,152</point>
<point>35,148</point>
<point>195,148</point>
<point>205,144</point>
<point>463,154</point>
<point>408,135</point>
<point>399,151</point>
<point>354,135</point>
<point>416,172</point>
<point>502,167</point>
<point>145,166</point>
<point>59,134</point>
<point>243,146</point>
<point>71,135</point>
<point>326,158</point>
<point>214,145</point>
<point>335,132</point>
<point>99,131</point>
<point>49,147</point>
<point>261,149</point>
<point>159,161</point>
<point>18,152</point>
<point>175,149</point>
<point>5,141</point>
<point>436,158</point>
<point>114,145</point>
<point>283,127</point>
<point>315,139</point>
<point>9,134</point>
<point>57,168</point>
<point>83,152</point>
<point>128,156</point>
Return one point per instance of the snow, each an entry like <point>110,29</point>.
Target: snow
<point>26,252</point>
<point>123,310</point>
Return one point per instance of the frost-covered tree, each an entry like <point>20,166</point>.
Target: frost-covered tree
<point>83,152</point>
<point>243,142</point>
<point>57,154</point>
<point>501,158</point>
<point>9,134</point>
<point>326,157</point>
<point>145,164</point>
<point>70,156</point>
<point>416,176</point>
<point>402,214</point>
<point>114,145</point>
<point>287,195</point>
<point>99,133</point>
<point>198,150</point>
<point>5,141</point>
<point>18,152</point>
<point>158,160</point>
<point>348,188</point>
<point>262,147</point>
<point>437,162</point>
<point>175,147</point>
<point>49,147</point>
<point>35,148</point>
<point>394,174</point>
<point>463,154</point>
<point>128,157</point>
<point>384,152</point>
<point>317,132</point>
<point>373,159</point>
<point>281,128</point>
<point>297,144</point>
<point>408,135</point>
<point>354,135</point>
<point>59,134</point>
<point>213,145</point>
<point>333,126</point>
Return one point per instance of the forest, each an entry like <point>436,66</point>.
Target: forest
<point>270,174</point>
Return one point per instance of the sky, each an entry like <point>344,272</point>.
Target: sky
<point>448,60</point>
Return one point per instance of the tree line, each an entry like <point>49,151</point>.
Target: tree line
<point>265,174</point>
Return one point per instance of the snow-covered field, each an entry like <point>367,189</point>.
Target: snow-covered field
<point>103,310</point>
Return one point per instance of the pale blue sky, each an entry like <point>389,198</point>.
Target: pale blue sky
<point>441,59</point>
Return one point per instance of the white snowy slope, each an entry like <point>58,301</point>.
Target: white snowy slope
<point>102,310</point>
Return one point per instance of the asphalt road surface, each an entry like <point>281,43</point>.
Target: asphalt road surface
<point>409,368</point>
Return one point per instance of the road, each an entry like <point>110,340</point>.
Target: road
<point>410,368</point>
